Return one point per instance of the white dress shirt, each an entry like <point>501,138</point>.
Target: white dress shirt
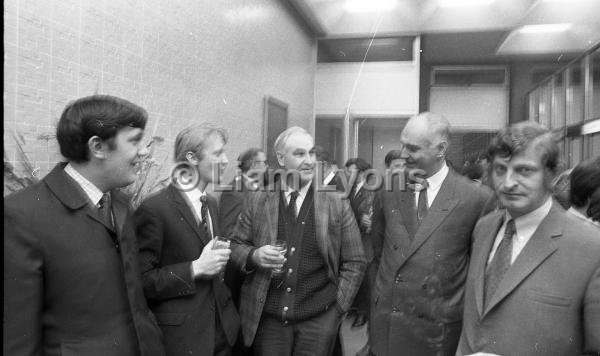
<point>301,195</point>
<point>193,197</point>
<point>525,226</point>
<point>88,187</point>
<point>358,187</point>
<point>329,178</point>
<point>435,183</point>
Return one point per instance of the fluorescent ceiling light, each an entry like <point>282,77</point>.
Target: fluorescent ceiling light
<point>369,5</point>
<point>546,28</point>
<point>463,3</point>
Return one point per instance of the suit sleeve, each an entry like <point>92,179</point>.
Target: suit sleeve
<point>377,229</point>
<point>159,282</point>
<point>352,258</point>
<point>23,286</point>
<point>591,314</point>
<point>229,211</point>
<point>241,237</point>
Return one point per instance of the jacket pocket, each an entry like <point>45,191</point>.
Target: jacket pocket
<point>545,298</point>
<point>170,318</point>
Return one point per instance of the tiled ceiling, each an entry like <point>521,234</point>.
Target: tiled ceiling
<point>491,28</point>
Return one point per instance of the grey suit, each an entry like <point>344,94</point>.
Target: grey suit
<point>548,303</point>
<point>417,300</point>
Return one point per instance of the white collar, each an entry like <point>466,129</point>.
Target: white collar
<point>528,223</point>
<point>436,180</point>
<point>93,192</point>
<point>195,194</point>
<point>302,192</point>
<point>328,178</point>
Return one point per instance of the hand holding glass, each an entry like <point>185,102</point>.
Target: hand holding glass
<point>221,243</point>
<point>280,245</point>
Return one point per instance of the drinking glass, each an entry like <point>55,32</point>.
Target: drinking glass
<point>280,245</point>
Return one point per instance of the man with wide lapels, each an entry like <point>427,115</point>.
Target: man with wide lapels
<point>534,280</point>
<point>293,297</point>
<point>71,283</point>
<point>181,260</point>
<point>421,238</point>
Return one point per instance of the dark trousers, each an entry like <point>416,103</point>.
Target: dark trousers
<point>312,337</point>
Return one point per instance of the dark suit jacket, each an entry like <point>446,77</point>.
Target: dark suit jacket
<point>337,236</point>
<point>548,302</point>
<point>169,240</point>
<point>67,289</point>
<point>362,203</point>
<point>418,294</point>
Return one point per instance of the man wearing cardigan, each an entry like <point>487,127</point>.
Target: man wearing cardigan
<point>299,310</point>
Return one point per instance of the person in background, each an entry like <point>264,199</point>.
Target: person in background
<point>533,286</point>
<point>296,291</point>
<point>252,165</point>
<point>180,257</point>
<point>422,240</point>
<point>394,160</point>
<point>561,187</point>
<point>330,174</point>
<point>585,182</point>
<point>71,284</point>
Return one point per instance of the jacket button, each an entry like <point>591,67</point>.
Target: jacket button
<point>424,286</point>
<point>261,300</point>
<point>399,279</point>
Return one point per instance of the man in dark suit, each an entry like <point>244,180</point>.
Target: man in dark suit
<point>252,165</point>
<point>298,310</point>
<point>328,170</point>
<point>71,284</point>
<point>534,280</point>
<point>180,261</point>
<point>422,237</point>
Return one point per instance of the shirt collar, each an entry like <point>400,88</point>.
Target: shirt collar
<point>302,192</point>
<point>93,193</point>
<point>328,178</point>
<point>528,223</point>
<point>358,186</point>
<point>436,180</point>
<point>195,194</point>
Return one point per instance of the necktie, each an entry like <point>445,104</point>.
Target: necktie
<point>204,215</point>
<point>291,208</point>
<point>105,210</point>
<point>500,262</point>
<point>422,203</point>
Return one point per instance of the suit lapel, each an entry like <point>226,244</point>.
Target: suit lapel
<point>442,206</point>
<point>213,211</point>
<point>542,244</point>
<point>321,213</point>
<point>119,207</point>
<point>407,208</point>
<point>186,212</point>
<point>479,260</point>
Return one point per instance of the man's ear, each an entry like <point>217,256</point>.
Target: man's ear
<point>98,148</point>
<point>192,158</point>
<point>442,149</point>
<point>280,159</point>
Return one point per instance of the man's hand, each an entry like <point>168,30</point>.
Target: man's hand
<point>365,221</point>
<point>211,262</point>
<point>269,257</point>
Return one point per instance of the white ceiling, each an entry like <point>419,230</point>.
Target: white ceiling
<point>494,26</point>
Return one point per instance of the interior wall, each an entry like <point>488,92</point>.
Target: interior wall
<point>186,62</point>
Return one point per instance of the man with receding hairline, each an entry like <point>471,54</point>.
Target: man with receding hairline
<point>292,301</point>
<point>421,237</point>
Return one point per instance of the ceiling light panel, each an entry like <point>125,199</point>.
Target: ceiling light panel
<point>545,28</point>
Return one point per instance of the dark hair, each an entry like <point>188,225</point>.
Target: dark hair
<point>473,171</point>
<point>360,164</point>
<point>96,115</point>
<point>593,210</point>
<point>392,155</point>
<point>585,179</point>
<point>247,158</point>
<point>321,154</point>
<point>517,138</point>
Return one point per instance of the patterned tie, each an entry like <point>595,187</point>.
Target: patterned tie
<point>422,203</point>
<point>500,262</point>
<point>105,210</point>
<point>204,215</point>
<point>291,208</point>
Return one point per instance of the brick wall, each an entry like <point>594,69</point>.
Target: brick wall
<point>185,61</point>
